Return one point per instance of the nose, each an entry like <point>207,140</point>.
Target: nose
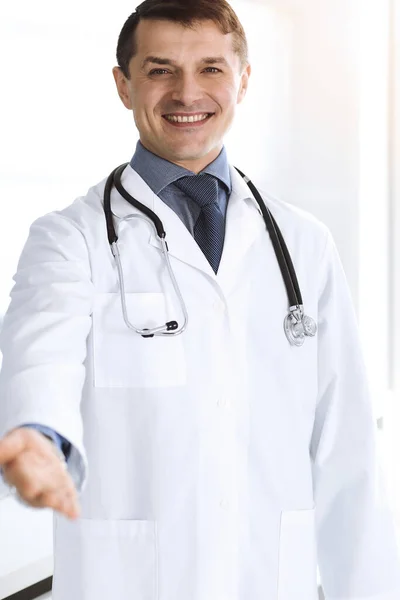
<point>187,90</point>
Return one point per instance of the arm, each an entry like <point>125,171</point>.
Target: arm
<point>357,553</point>
<point>43,338</point>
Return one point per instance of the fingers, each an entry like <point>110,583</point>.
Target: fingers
<point>40,477</point>
<point>64,502</point>
<point>61,496</point>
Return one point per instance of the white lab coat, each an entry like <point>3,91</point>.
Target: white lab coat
<point>222,464</point>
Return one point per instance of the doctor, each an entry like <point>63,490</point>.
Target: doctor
<point>223,463</point>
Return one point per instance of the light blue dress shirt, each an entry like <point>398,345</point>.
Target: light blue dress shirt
<point>160,175</point>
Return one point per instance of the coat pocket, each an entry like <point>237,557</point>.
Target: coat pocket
<point>297,578</point>
<point>104,559</point>
<point>124,359</point>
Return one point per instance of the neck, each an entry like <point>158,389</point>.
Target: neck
<point>196,165</point>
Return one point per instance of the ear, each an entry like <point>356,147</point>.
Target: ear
<point>244,83</point>
<point>122,84</point>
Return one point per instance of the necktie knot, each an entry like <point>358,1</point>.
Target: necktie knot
<point>203,189</point>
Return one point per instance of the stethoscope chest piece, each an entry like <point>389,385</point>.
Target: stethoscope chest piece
<point>298,326</point>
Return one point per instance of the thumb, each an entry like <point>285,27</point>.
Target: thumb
<point>12,445</point>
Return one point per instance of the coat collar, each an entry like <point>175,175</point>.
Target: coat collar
<point>244,222</point>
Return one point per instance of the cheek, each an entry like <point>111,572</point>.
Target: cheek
<point>145,101</point>
<point>227,101</point>
<point>226,97</point>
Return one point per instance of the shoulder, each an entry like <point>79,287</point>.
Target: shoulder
<point>70,232</point>
<point>82,213</point>
<point>87,207</point>
<point>303,228</point>
<point>292,215</point>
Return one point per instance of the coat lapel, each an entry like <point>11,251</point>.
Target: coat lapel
<point>180,242</point>
<point>243,224</point>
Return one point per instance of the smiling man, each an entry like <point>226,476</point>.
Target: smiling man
<point>221,456</point>
<point>183,99</point>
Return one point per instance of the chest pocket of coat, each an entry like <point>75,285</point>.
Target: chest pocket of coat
<point>124,359</point>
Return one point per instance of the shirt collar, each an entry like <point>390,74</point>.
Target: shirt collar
<point>158,173</point>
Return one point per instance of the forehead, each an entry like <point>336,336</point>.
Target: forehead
<point>174,41</point>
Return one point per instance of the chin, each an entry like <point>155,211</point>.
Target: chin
<point>193,152</point>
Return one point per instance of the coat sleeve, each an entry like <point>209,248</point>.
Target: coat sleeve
<point>358,555</point>
<point>44,333</point>
<point>62,444</point>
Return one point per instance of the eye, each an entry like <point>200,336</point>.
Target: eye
<point>213,70</point>
<point>158,71</point>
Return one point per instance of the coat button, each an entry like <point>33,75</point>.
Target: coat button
<point>224,504</point>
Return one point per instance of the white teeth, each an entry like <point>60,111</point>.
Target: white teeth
<point>190,119</point>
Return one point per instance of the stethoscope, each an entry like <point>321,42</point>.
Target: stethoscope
<point>297,325</point>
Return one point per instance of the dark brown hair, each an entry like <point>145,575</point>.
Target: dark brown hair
<point>187,13</point>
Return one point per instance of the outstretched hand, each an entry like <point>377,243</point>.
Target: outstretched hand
<point>30,464</point>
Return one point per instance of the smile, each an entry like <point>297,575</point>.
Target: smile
<point>197,119</point>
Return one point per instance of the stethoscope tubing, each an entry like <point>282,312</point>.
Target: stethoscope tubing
<point>279,244</point>
<point>296,324</point>
<point>280,247</point>
<point>171,326</point>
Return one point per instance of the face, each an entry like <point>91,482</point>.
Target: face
<point>183,90</point>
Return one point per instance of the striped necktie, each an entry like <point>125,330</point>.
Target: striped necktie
<point>209,230</point>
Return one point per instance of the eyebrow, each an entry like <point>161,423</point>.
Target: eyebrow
<point>209,60</point>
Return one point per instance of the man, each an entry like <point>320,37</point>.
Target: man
<point>223,463</point>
